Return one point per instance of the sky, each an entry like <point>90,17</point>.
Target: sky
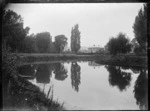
<point>98,22</point>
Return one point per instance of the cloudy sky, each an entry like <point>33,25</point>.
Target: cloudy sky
<point>97,21</point>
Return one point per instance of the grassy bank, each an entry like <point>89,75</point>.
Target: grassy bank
<point>125,60</point>
<point>24,95</point>
<point>54,57</point>
<point>19,94</point>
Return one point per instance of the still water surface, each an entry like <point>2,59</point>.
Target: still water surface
<point>91,86</point>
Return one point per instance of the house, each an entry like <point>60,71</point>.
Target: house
<point>95,49</point>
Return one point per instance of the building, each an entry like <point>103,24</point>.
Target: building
<point>95,49</point>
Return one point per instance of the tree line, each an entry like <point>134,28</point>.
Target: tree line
<point>17,38</point>
<point>122,44</point>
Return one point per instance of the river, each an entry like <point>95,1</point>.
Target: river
<point>90,86</point>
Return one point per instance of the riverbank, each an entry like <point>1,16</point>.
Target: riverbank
<point>20,94</point>
<point>121,60</point>
<point>124,60</point>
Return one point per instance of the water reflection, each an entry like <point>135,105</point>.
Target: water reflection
<point>141,90</point>
<point>60,71</point>
<point>94,64</point>
<point>118,78</point>
<point>134,69</point>
<point>27,71</point>
<point>75,75</point>
<point>43,74</point>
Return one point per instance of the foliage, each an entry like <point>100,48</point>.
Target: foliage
<point>29,45</point>
<point>137,49</point>
<point>120,44</point>
<point>13,31</point>
<point>140,28</point>
<point>53,48</point>
<point>28,96</point>
<point>25,94</point>
<point>60,43</point>
<point>43,41</point>
<point>75,39</point>
<point>9,66</point>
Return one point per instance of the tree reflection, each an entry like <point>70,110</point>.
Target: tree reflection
<point>60,72</point>
<point>118,78</point>
<point>75,76</point>
<point>141,90</point>
<point>134,69</point>
<point>43,73</point>
<point>27,71</point>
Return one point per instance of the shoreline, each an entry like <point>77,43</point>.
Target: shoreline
<point>21,85</point>
<point>119,60</point>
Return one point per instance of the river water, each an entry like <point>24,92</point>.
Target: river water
<point>90,86</point>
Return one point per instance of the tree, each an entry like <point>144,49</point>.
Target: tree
<point>60,43</point>
<point>120,44</point>
<point>43,41</point>
<point>140,28</point>
<point>30,44</point>
<point>13,31</point>
<point>75,39</point>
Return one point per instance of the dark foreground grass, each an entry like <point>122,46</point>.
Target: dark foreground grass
<point>21,94</point>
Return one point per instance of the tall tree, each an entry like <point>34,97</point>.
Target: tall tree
<point>13,31</point>
<point>60,43</point>
<point>75,39</point>
<point>120,44</point>
<point>43,41</point>
<point>140,28</point>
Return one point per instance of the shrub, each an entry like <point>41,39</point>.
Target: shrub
<point>9,64</point>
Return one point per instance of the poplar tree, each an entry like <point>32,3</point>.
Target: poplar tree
<point>75,39</point>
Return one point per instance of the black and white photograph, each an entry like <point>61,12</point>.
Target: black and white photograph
<point>74,56</point>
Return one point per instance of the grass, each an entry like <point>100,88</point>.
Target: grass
<point>23,94</point>
<point>20,94</point>
<point>126,60</point>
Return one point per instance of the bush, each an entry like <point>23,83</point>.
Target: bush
<point>9,64</point>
